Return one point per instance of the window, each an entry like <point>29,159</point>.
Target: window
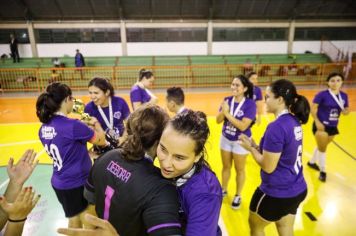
<point>167,35</point>
<point>20,34</point>
<point>77,35</point>
<point>250,34</point>
<point>330,33</point>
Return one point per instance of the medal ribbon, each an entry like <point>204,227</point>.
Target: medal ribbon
<point>110,124</point>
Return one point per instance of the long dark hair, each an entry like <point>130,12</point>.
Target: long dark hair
<point>144,74</point>
<point>297,104</point>
<point>193,124</point>
<point>50,101</point>
<point>144,128</point>
<point>103,84</point>
<point>246,83</point>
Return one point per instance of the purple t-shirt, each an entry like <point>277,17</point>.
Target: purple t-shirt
<point>284,136</point>
<point>257,93</point>
<point>200,199</point>
<point>248,110</point>
<point>139,94</point>
<point>65,141</point>
<point>328,110</point>
<point>120,109</point>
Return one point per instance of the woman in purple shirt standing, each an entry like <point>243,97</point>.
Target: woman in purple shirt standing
<point>65,141</point>
<point>279,155</point>
<point>238,113</point>
<point>326,109</point>
<point>181,157</point>
<point>139,92</point>
<point>111,111</point>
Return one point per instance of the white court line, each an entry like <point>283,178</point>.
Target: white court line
<point>307,154</point>
<point>340,176</point>
<point>3,184</point>
<point>20,123</point>
<point>222,227</point>
<point>19,143</point>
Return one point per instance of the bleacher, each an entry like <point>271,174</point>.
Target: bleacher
<point>185,71</point>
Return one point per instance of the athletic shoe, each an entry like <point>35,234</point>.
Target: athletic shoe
<point>322,176</point>
<point>224,193</point>
<point>313,166</point>
<point>236,202</point>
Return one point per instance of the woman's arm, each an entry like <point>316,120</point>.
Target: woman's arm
<point>259,105</point>
<point>314,111</point>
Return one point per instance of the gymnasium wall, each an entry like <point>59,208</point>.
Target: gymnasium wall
<point>173,48</point>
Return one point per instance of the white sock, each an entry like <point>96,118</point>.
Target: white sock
<point>322,160</point>
<point>315,156</point>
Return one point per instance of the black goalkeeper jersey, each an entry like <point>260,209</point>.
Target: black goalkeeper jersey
<point>133,196</point>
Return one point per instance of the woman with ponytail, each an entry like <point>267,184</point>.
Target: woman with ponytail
<point>140,93</point>
<point>65,142</point>
<point>127,189</point>
<point>279,155</point>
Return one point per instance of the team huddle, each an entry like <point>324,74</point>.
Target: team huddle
<point>131,196</point>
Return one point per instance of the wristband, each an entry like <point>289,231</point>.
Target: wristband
<point>17,221</point>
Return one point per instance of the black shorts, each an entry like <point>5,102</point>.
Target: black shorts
<point>331,130</point>
<point>72,200</point>
<point>272,208</point>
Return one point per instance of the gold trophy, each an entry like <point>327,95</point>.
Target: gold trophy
<point>78,108</point>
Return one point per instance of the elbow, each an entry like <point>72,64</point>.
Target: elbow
<point>268,169</point>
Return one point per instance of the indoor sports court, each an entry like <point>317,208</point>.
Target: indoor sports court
<point>200,46</point>
<point>327,204</point>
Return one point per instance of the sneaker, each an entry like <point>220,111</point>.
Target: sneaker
<point>224,193</point>
<point>322,176</point>
<point>236,202</point>
<point>313,166</point>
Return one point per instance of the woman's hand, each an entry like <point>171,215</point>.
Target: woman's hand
<point>225,108</point>
<point>23,205</point>
<point>20,172</point>
<point>320,126</point>
<point>246,142</point>
<point>101,228</point>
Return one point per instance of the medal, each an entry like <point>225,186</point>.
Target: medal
<point>109,124</point>
<point>337,99</point>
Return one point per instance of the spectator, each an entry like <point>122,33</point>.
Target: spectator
<point>79,59</point>
<point>14,48</point>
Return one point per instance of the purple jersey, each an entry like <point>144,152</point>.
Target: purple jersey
<point>200,199</point>
<point>139,94</point>
<point>65,142</point>
<point>248,110</point>
<point>257,94</point>
<point>284,136</point>
<point>328,110</point>
<point>120,109</point>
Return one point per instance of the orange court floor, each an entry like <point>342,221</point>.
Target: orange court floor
<point>330,203</point>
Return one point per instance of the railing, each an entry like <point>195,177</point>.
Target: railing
<point>192,76</point>
<point>331,50</point>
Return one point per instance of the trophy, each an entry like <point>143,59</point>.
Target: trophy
<point>78,108</point>
<point>112,141</point>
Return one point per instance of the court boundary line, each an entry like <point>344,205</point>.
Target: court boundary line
<point>344,150</point>
<point>19,143</point>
